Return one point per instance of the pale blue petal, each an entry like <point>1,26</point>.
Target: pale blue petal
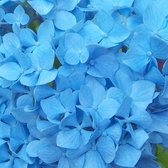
<point>64,20</point>
<point>108,108</point>
<point>153,17</point>
<point>159,48</point>
<point>69,139</point>
<point>27,37</point>
<point>91,33</point>
<point>52,107</point>
<point>46,77</point>
<point>127,156</point>
<point>142,93</point>
<point>119,33</point>
<point>44,8</point>
<point>143,119</point>
<point>107,23</point>
<point>98,91</point>
<point>67,5</point>
<point>46,31</point>
<point>48,153</point>
<point>106,148</point>
<point>72,57</point>
<point>68,100</point>
<point>63,163</point>
<point>41,53</point>
<point>139,138</point>
<point>85,96</point>
<point>93,159</point>
<point>32,148</point>
<point>10,71</point>
<point>115,132</point>
<point>11,43</point>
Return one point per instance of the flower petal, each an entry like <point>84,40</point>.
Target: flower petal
<point>127,156</point>
<point>10,71</point>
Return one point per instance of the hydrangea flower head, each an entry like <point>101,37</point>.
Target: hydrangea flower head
<point>83,83</point>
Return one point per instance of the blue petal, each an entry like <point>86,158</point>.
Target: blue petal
<point>122,3</point>
<point>83,55</point>
<point>106,148</point>
<point>153,17</point>
<point>159,48</point>
<point>78,41</point>
<point>32,148</point>
<point>52,107</point>
<point>93,159</point>
<point>107,65</point>
<point>139,138</point>
<point>91,33</point>
<point>67,5</point>
<point>98,91</point>
<point>64,20</point>
<point>63,163</point>
<point>44,8</point>
<point>48,153</point>
<point>10,71</point>
<point>4,153</point>
<point>125,108</point>
<point>137,61</point>
<point>104,5</point>
<point>11,43</point>
<point>20,15</point>
<point>142,119</point>
<point>27,37</point>
<point>127,156</point>
<point>142,93</point>
<point>40,53</point>
<point>19,163</point>
<point>46,31</point>
<point>140,6</point>
<point>115,132</point>
<point>68,100</point>
<point>85,135</point>
<point>119,33</point>
<point>73,137</point>
<point>30,79</point>
<point>108,108</point>
<point>10,18</point>
<point>155,76</point>
<point>46,77</point>
<point>107,23</point>
<point>4,130</point>
<point>72,57</point>
<point>121,76</point>
<point>85,96</point>
<point>2,14</point>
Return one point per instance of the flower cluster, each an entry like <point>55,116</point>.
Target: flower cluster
<point>83,83</point>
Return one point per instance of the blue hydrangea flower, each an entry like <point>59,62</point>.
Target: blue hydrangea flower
<point>67,74</point>
<point>61,108</point>
<point>72,49</point>
<point>41,72</point>
<point>31,40</point>
<point>147,51</point>
<point>17,17</point>
<point>83,83</point>
<point>95,104</point>
<point>78,129</point>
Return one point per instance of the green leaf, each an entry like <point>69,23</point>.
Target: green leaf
<point>162,155</point>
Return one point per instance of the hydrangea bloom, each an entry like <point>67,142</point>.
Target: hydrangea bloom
<point>83,83</point>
